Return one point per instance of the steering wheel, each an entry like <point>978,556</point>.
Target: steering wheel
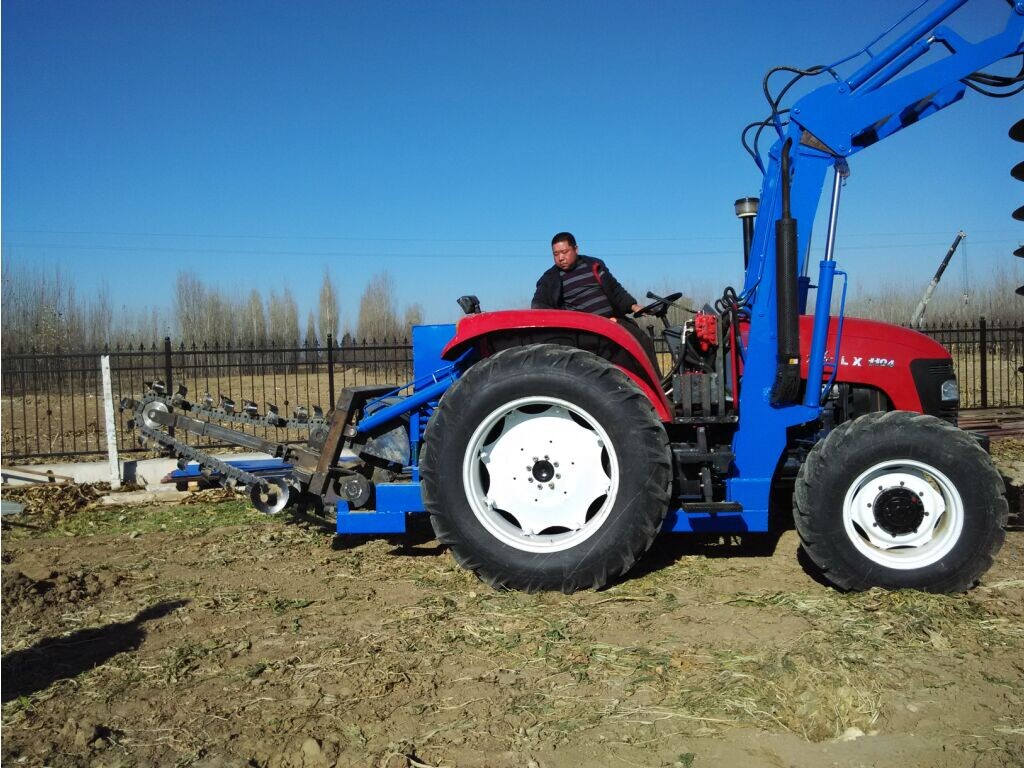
<point>659,307</point>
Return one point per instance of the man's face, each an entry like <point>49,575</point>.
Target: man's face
<point>565,255</point>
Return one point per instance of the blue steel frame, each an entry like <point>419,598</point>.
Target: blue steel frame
<point>842,118</point>
<point>432,376</point>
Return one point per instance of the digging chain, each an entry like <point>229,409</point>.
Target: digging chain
<point>182,450</point>
<point>231,475</point>
<point>270,420</point>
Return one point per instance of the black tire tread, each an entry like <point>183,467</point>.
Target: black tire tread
<point>829,453</point>
<point>628,399</point>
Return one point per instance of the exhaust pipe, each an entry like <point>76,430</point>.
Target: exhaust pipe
<point>746,212</point>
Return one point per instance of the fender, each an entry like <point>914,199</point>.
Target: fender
<point>491,332</point>
<point>877,355</point>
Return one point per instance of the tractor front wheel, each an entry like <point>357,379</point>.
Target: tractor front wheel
<point>545,468</point>
<point>900,500</point>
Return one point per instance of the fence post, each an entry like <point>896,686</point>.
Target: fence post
<point>167,374</point>
<point>983,343</point>
<point>108,421</point>
<point>330,367</point>
<point>167,364</point>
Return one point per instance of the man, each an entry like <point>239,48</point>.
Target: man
<point>584,284</point>
<point>580,283</point>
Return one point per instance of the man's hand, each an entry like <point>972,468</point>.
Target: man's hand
<point>637,307</point>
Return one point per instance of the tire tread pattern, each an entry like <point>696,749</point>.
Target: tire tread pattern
<point>647,508</point>
<point>815,523</point>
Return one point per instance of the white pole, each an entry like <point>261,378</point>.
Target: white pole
<point>108,407</point>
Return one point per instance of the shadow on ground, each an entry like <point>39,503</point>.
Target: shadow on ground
<point>668,548</point>
<point>36,668</point>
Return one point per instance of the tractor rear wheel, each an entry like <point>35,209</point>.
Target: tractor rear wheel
<point>545,468</point>
<point>902,501</point>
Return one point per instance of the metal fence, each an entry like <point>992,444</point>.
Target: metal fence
<point>988,359</point>
<point>52,403</point>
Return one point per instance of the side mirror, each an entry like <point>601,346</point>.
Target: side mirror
<point>469,304</point>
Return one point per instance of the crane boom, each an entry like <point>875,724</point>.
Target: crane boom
<point>918,317</point>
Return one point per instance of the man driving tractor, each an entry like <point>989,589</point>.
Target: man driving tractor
<point>584,284</point>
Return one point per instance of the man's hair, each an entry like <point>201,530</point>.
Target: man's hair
<point>564,237</point>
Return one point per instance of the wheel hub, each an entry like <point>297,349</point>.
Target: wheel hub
<point>543,471</point>
<point>899,511</point>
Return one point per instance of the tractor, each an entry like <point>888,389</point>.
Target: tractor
<point>549,451</point>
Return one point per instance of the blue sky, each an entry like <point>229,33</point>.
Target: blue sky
<point>256,143</point>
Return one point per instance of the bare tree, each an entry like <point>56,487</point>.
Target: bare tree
<point>99,319</point>
<point>328,308</point>
<point>413,316</point>
<point>220,320</point>
<point>284,318</point>
<point>40,309</point>
<point>254,328</point>
<point>140,327</point>
<point>377,316</point>
<point>189,296</point>
<point>311,339</point>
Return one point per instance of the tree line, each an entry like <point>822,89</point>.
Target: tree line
<point>43,310</point>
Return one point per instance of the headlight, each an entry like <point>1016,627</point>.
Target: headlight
<point>949,391</point>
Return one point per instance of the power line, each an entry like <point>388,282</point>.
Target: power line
<point>434,255</point>
<point>422,239</point>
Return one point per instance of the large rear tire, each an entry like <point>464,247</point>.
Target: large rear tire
<point>900,500</point>
<point>545,468</point>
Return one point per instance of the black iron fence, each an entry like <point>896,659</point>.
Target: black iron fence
<point>52,402</point>
<point>988,358</point>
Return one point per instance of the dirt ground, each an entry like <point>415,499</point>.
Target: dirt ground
<point>207,635</point>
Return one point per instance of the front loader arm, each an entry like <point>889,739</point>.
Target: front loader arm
<point>825,127</point>
<point>845,117</point>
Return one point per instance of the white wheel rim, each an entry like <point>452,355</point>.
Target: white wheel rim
<point>903,514</point>
<point>272,498</point>
<point>540,474</point>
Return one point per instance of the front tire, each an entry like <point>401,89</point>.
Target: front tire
<point>545,468</point>
<point>900,500</point>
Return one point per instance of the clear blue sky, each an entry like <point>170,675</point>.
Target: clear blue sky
<point>256,143</point>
